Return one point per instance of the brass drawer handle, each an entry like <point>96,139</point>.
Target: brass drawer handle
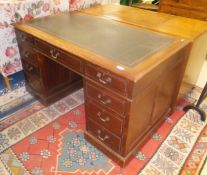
<point>102,81</point>
<point>102,138</point>
<point>105,80</point>
<point>53,54</point>
<point>105,102</point>
<point>30,69</point>
<point>22,37</point>
<point>107,119</point>
<point>27,53</point>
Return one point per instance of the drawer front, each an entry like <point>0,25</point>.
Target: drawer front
<point>106,99</point>
<point>104,118</point>
<point>60,56</point>
<point>104,136</point>
<point>110,80</point>
<point>29,55</point>
<point>31,69</point>
<point>24,38</point>
<point>33,82</point>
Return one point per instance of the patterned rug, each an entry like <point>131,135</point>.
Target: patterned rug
<point>50,141</point>
<point>13,101</point>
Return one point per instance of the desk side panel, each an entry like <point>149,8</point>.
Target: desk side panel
<point>155,99</point>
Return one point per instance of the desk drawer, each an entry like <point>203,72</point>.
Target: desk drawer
<point>108,79</point>
<point>104,118</point>
<point>104,136</point>
<point>33,82</point>
<point>24,38</point>
<point>31,69</point>
<point>60,56</point>
<point>29,55</point>
<point>106,98</point>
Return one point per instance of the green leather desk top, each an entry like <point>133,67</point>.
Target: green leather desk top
<point>122,43</point>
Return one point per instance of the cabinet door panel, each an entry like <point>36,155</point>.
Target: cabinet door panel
<point>165,92</point>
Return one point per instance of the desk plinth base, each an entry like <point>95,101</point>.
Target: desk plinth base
<point>59,93</point>
<point>121,161</point>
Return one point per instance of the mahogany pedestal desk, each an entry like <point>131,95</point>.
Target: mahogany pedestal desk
<point>131,76</point>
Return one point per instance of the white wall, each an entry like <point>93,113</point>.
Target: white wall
<point>203,76</point>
